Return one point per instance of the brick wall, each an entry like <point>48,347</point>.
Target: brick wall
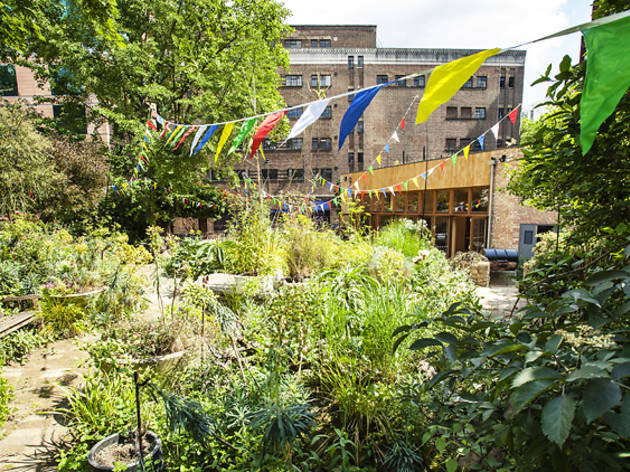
<point>341,36</point>
<point>508,213</point>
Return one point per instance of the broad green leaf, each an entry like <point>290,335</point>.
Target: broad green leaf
<point>424,342</point>
<point>605,276</point>
<point>557,416</point>
<point>587,372</point>
<point>553,343</point>
<point>534,373</point>
<point>531,356</point>
<point>451,465</point>
<point>449,352</point>
<point>622,370</point>
<point>620,423</point>
<point>599,397</point>
<point>523,395</point>
<point>440,444</point>
<point>446,337</point>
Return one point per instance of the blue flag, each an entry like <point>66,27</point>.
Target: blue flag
<point>386,147</point>
<point>424,175</point>
<point>481,140</point>
<point>205,138</point>
<point>354,112</point>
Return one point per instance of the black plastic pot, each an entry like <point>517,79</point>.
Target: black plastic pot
<point>152,461</point>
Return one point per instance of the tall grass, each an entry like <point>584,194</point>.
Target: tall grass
<point>405,236</point>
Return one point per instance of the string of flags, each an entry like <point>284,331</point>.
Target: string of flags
<point>607,79</point>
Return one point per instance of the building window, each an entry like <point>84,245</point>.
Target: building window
<point>351,161</point>
<point>351,96</point>
<point>463,142</point>
<point>270,174</point>
<point>442,200</point>
<point>321,144</point>
<point>502,81</point>
<point>400,82</point>
<point>468,84</point>
<point>294,144</point>
<point>466,113</point>
<point>360,127</point>
<point>293,80</point>
<point>381,79</point>
<point>321,80</point>
<point>499,143</point>
<point>326,173</point>
<point>359,160</point>
<point>480,113</point>
<point>350,62</point>
<point>292,43</point>
<point>511,82</point>
<point>313,43</point>
<point>269,145</point>
<point>360,62</point>
<point>419,81</point>
<point>460,200</point>
<point>296,175</point>
<point>295,113</point>
<point>71,117</point>
<point>324,43</point>
<point>479,200</point>
<point>327,113</point>
<point>501,113</point>
<point>451,113</point>
<point>8,81</point>
<point>451,144</point>
<point>482,81</point>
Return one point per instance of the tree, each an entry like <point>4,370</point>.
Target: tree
<point>592,191</point>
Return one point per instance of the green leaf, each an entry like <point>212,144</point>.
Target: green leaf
<point>446,337</point>
<point>440,444</point>
<point>534,373</point>
<point>587,372</point>
<point>451,465</point>
<point>599,397</point>
<point>620,423</point>
<point>557,416</point>
<point>622,370</point>
<point>553,343</point>
<point>449,352</point>
<point>526,393</point>
<point>605,276</point>
<point>424,342</point>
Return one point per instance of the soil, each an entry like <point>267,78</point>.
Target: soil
<point>125,453</point>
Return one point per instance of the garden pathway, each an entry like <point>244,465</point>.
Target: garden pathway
<point>500,296</point>
<point>29,437</point>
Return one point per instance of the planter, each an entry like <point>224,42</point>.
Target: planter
<point>152,460</point>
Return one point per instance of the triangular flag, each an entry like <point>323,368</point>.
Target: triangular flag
<point>386,147</point>
<point>364,177</point>
<point>227,130</point>
<point>424,175</point>
<point>265,127</point>
<point>398,188</point>
<point>391,189</point>
<point>481,139</point>
<point>310,115</point>
<point>186,134</point>
<point>495,130</point>
<point>447,79</point>
<point>607,76</point>
<point>415,181</point>
<point>466,151</point>
<point>371,170</point>
<point>246,127</point>
<point>406,184</point>
<point>512,116</point>
<point>378,159</point>
<point>402,123</point>
<point>395,137</point>
<point>198,136</point>
<point>384,192</point>
<point>177,136</point>
<point>370,194</point>
<point>362,194</point>
<point>355,110</point>
<point>173,133</point>
<point>442,166</point>
<point>454,159</point>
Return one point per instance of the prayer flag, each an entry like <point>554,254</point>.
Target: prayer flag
<point>265,127</point>
<point>310,115</point>
<point>378,159</point>
<point>371,170</point>
<point>424,175</point>
<point>205,138</point>
<point>442,166</point>
<point>246,127</point>
<point>175,130</point>
<point>495,130</point>
<point>186,134</point>
<point>386,147</point>
<point>454,159</point>
<point>447,79</point>
<point>481,139</point>
<point>406,184</point>
<point>466,151</point>
<point>395,137</point>
<point>225,134</point>
<point>415,181</point>
<point>512,116</point>
<point>402,123</point>
<point>355,110</point>
<point>197,137</point>
<point>607,76</point>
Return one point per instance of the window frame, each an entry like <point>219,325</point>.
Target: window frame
<point>379,79</point>
<point>290,77</point>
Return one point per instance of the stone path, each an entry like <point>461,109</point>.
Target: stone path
<point>30,435</point>
<point>500,296</point>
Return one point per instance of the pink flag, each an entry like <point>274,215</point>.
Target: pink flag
<point>265,127</point>
<point>402,123</point>
<point>512,116</point>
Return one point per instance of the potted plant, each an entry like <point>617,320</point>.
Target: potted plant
<point>142,450</point>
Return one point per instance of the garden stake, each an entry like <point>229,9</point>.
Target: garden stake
<point>136,381</point>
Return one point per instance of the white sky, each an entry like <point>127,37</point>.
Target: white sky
<point>478,24</point>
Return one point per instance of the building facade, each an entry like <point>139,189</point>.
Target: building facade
<point>328,60</point>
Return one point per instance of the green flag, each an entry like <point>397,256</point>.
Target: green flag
<point>406,184</point>
<point>607,76</point>
<point>371,170</point>
<point>454,159</point>
<point>246,127</point>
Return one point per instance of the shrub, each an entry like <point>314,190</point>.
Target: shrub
<point>6,393</point>
<point>405,236</point>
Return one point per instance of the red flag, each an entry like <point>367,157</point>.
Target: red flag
<point>364,177</point>
<point>362,193</point>
<point>513,115</point>
<point>402,123</point>
<point>150,123</point>
<point>265,127</point>
<point>442,166</point>
<point>192,128</point>
<point>329,205</point>
<point>398,188</point>
<point>164,130</point>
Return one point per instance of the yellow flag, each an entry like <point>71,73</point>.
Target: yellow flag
<point>378,159</point>
<point>415,181</point>
<point>466,151</point>
<point>175,131</point>
<point>227,130</point>
<point>447,79</point>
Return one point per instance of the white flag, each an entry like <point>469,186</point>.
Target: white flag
<point>395,137</point>
<point>391,189</point>
<point>198,135</point>
<point>495,130</point>
<point>310,115</point>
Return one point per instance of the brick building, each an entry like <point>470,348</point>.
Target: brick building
<point>328,60</point>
